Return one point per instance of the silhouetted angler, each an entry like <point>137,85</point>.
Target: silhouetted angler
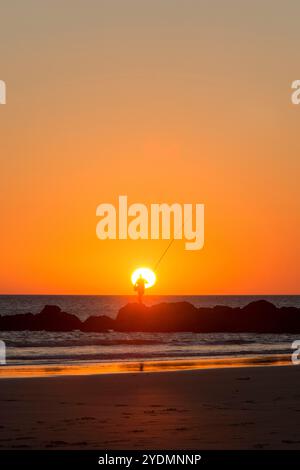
<point>139,287</point>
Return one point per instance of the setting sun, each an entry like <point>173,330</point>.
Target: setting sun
<point>147,274</point>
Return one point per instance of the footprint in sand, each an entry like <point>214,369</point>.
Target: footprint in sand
<point>25,438</point>
<point>242,424</point>
<point>57,443</point>
<point>288,441</point>
<point>22,446</point>
<point>260,446</point>
<point>83,443</point>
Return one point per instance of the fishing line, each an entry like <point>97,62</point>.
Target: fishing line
<point>169,245</point>
<point>164,253</point>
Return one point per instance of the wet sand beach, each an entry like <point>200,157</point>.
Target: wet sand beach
<point>220,408</point>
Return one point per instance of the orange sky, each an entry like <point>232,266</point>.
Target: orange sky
<point>173,101</point>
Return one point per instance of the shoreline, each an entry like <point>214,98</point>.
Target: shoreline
<point>146,366</point>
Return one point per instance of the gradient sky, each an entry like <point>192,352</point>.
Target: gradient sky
<point>165,101</point>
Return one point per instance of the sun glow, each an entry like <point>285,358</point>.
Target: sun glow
<point>147,274</point>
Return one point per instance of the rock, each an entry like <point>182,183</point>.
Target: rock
<point>257,317</point>
<point>160,317</point>
<point>97,324</point>
<point>17,322</point>
<point>51,318</point>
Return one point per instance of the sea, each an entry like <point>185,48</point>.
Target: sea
<point>25,348</point>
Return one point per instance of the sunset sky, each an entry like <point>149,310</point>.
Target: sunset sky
<point>164,101</point>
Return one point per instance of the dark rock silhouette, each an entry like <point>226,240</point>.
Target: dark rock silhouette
<point>51,318</point>
<point>257,317</point>
<point>160,317</point>
<point>101,323</point>
<point>17,322</point>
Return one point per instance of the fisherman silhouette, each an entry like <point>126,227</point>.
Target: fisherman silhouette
<point>139,287</point>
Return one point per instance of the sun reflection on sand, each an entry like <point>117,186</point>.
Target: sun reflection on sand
<point>141,366</point>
